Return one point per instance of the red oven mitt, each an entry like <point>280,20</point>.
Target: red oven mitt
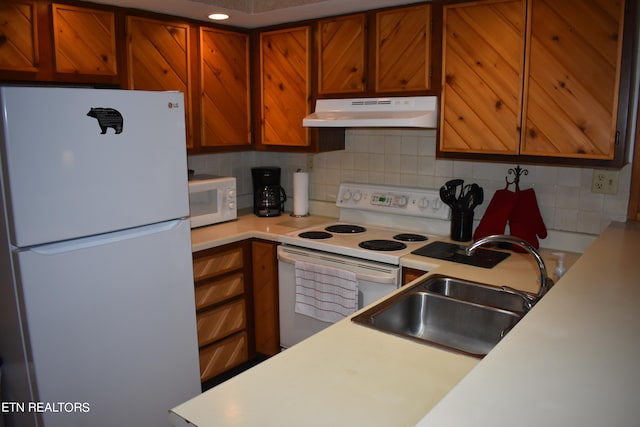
<point>498,212</point>
<point>525,220</point>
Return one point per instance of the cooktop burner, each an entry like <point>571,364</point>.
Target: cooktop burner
<point>382,245</point>
<point>410,237</point>
<point>315,235</point>
<point>345,228</point>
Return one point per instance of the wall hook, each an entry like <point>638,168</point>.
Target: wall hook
<point>517,172</point>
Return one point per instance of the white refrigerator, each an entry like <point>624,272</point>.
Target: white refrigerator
<point>97,311</point>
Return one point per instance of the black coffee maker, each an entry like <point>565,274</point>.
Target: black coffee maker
<point>268,195</point>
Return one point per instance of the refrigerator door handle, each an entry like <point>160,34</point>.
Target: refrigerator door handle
<point>104,239</point>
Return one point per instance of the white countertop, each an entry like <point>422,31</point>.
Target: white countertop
<point>571,361</point>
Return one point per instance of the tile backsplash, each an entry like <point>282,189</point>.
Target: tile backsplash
<point>407,157</point>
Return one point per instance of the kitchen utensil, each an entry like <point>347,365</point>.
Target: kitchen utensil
<point>448,192</point>
<point>475,197</point>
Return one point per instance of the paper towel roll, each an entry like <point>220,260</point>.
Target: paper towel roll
<point>300,194</point>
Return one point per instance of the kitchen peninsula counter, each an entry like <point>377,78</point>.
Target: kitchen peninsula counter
<point>352,375</point>
<point>573,360</point>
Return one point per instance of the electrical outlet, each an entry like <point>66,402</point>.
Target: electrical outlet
<point>604,181</point>
<point>309,162</point>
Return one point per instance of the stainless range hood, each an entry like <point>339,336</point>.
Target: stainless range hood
<point>412,112</point>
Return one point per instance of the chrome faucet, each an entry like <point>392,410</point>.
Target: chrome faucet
<point>545,282</point>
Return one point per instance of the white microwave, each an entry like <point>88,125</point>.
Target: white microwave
<point>212,199</point>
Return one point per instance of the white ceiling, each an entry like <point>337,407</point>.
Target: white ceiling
<point>256,13</point>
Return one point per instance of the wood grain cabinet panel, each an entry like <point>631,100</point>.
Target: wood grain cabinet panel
<point>285,93</point>
<point>403,49</point>
<point>84,41</point>
<point>158,58</point>
<point>265,297</point>
<point>216,291</point>
<point>534,78</point>
<point>224,355</point>
<point>571,93</point>
<point>483,62</point>
<point>224,308</point>
<point>225,101</point>
<point>214,265</point>
<point>19,36</point>
<point>342,43</point>
<point>221,321</point>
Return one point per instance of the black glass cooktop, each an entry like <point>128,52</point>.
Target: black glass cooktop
<point>485,258</point>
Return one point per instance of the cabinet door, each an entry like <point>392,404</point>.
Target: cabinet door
<point>84,41</point>
<point>158,55</point>
<point>403,46</point>
<point>285,93</point>
<point>19,36</point>
<point>225,88</point>
<point>265,297</point>
<point>571,93</point>
<point>483,60</point>
<point>342,46</point>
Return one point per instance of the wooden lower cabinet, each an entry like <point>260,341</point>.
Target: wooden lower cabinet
<point>236,293</point>
<point>223,308</point>
<point>411,274</point>
<point>265,297</point>
<point>224,355</point>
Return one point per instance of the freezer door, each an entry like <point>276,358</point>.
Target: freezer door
<point>80,162</point>
<point>111,324</point>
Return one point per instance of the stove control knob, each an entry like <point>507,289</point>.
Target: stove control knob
<point>357,196</point>
<point>436,205</point>
<point>402,201</point>
<point>423,203</point>
<point>346,195</point>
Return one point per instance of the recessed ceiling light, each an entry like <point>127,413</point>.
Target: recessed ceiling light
<point>218,16</point>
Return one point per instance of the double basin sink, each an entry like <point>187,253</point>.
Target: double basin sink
<point>450,313</point>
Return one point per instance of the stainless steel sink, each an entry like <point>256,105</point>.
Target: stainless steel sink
<point>442,320</point>
<point>475,292</point>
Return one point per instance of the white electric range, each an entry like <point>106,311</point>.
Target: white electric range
<point>378,224</point>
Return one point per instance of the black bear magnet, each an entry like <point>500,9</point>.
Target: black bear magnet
<point>107,118</point>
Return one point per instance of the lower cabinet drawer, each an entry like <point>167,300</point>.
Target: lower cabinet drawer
<point>220,322</point>
<point>219,290</point>
<point>222,356</point>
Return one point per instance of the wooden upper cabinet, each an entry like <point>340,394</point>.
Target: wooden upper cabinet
<point>483,62</point>
<point>571,92</point>
<point>19,50</point>
<point>284,87</point>
<point>403,49</point>
<point>553,98</point>
<point>84,41</point>
<point>158,58</point>
<point>342,45</point>
<point>224,84</point>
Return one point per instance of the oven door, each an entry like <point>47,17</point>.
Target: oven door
<point>375,280</point>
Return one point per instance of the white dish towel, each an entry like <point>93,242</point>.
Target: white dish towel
<point>325,293</point>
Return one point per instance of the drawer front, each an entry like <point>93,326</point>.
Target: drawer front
<point>220,322</point>
<point>219,290</point>
<point>213,265</point>
<point>223,356</point>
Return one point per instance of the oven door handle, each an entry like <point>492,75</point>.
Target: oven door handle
<point>381,276</point>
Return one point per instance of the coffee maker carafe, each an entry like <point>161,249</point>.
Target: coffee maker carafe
<point>268,195</point>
